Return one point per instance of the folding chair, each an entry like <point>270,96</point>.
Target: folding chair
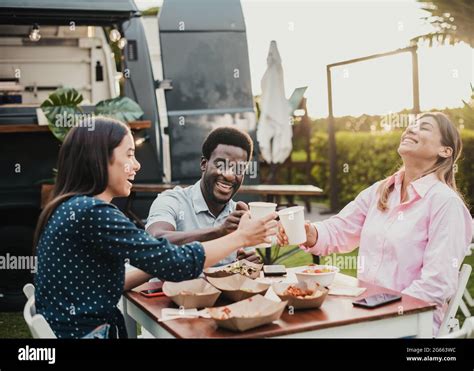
<point>467,331</point>
<point>37,324</point>
<point>450,322</point>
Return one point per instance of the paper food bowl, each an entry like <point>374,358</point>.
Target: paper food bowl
<point>243,267</point>
<point>191,294</point>
<point>313,295</point>
<point>323,279</point>
<point>238,287</point>
<point>247,314</point>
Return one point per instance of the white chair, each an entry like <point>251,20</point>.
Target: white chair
<point>37,324</point>
<point>450,322</point>
<point>468,301</point>
<point>467,331</point>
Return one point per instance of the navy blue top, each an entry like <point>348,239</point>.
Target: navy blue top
<point>81,271</point>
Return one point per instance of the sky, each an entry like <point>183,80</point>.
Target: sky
<point>311,34</point>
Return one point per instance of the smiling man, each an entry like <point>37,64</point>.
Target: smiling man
<point>205,210</point>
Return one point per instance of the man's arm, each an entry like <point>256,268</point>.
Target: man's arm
<point>168,231</point>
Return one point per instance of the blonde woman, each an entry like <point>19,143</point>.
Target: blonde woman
<point>412,228</point>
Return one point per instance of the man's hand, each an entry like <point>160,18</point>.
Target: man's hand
<point>241,206</point>
<point>251,256</point>
<point>232,221</point>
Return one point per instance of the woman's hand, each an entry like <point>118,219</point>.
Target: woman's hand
<point>251,256</point>
<point>255,232</point>
<point>134,278</point>
<point>311,235</point>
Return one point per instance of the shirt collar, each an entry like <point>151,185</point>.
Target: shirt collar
<point>421,185</point>
<point>200,205</point>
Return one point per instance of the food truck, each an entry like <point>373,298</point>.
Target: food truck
<point>198,79</point>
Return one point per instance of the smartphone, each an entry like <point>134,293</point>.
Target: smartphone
<point>377,300</point>
<point>274,270</point>
<point>154,290</point>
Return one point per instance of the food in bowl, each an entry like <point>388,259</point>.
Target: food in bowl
<point>247,314</point>
<point>303,295</point>
<point>300,293</point>
<point>321,274</point>
<point>318,270</point>
<point>241,268</point>
<point>225,313</point>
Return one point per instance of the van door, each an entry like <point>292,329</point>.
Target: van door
<point>204,54</point>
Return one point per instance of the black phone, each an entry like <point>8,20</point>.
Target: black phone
<point>377,300</point>
<point>274,270</point>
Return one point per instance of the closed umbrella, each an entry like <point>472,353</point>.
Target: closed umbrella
<point>274,132</point>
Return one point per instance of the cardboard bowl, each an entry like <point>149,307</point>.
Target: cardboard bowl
<point>306,302</point>
<point>196,293</point>
<point>243,267</point>
<point>238,287</point>
<point>247,314</point>
<point>323,279</point>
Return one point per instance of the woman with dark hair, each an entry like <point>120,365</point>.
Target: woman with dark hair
<point>412,228</point>
<point>83,241</point>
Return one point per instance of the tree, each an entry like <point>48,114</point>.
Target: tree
<point>452,20</point>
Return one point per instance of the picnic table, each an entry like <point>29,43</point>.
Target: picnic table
<point>337,318</point>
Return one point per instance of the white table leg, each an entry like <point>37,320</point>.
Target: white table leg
<point>130,323</point>
<point>425,324</point>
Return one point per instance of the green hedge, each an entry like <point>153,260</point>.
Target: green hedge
<point>364,158</point>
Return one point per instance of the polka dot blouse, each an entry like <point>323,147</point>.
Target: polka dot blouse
<point>81,257</point>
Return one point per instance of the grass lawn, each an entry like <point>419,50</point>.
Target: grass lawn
<point>12,325</point>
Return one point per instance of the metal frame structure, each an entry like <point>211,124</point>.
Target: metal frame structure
<point>333,194</point>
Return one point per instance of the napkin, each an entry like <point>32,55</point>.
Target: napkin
<point>344,290</point>
<point>168,314</point>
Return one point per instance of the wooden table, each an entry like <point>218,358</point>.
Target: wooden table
<point>267,190</point>
<point>336,318</point>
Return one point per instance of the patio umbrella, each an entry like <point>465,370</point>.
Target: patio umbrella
<point>274,131</point>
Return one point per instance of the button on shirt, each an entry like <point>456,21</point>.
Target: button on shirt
<point>186,210</point>
<point>81,270</point>
<point>415,247</point>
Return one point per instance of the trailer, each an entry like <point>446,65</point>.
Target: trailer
<point>197,78</point>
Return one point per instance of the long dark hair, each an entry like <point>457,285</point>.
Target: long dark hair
<point>83,163</point>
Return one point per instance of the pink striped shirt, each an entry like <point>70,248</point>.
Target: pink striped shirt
<point>415,247</point>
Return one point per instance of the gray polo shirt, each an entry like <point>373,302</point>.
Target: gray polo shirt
<point>186,210</point>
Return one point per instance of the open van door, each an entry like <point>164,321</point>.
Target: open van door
<point>205,78</point>
<point>60,12</point>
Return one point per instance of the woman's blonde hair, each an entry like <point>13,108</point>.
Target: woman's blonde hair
<point>444,167</point>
